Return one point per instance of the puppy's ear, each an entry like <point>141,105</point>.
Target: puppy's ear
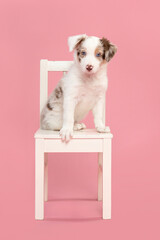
<point>74,41</point>
<point>109,49</point>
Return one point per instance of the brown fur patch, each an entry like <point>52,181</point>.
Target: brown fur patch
<point>58,92</point>
<point>109,49</point>
<point>105,43</point>
<point>78,47</point>
<point>78,53</point>
<point>82,50</point>
<point>99,50</point>
<point>79,42</point>
<point>48,106</point>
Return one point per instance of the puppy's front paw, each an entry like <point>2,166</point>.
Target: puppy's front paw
<point>103,129</point>
<point>66,133</point>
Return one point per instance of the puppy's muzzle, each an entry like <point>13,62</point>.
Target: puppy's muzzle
<point>89,67</point>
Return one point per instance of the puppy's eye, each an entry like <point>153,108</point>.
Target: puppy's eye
<point>83,53</point>
<point>98,55</point>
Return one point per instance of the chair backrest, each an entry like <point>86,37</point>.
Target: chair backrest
<point>55,66</point>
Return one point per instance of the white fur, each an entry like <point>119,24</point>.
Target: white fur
<point>82,91</point>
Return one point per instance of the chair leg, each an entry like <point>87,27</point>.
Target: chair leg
<point>107,179</point>
<point>39,179</point>
<point>46,177</point>
<point>100,156</point>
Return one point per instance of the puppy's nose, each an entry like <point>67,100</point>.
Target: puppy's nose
<point>89,67</point>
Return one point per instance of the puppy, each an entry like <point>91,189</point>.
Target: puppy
<point>82,89</point>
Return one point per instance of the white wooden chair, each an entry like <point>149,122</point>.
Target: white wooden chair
<point>87,140</point>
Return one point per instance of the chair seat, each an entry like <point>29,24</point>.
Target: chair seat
<point>85,133</point>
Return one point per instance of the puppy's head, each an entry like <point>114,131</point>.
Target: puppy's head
<point>91,52</point>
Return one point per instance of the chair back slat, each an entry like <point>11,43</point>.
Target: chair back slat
<point>55,66</point>
<point>59,66</point>
<point>43,83</point>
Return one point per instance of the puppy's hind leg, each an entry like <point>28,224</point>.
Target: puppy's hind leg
<point>79,126</point>
<point>51,123</point>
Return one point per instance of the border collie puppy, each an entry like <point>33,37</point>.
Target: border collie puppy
<point>82,89</point>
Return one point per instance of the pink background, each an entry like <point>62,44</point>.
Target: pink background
<point>32,30</point>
